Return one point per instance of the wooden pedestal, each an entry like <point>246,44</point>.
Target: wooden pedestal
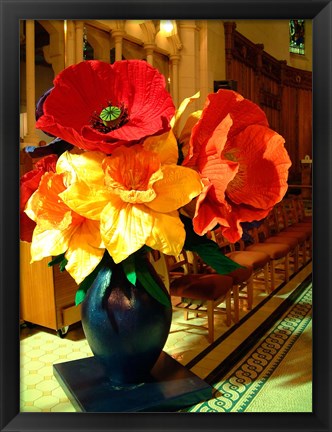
<point>170,387</point>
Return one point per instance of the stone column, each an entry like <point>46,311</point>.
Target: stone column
<point>31,138</point>
<point>79,25</point>
<point>204,61</point>
<point>54,53</point>
<point>189,66</point>
<point>70,43</point>
<point>118,34</point>
<point>149,49</point>
<point>175,59</point>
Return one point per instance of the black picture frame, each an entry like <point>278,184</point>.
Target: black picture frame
<point>11,12</point>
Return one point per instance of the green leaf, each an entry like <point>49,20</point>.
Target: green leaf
<point>212,256</point>
<point>57,260</point>
<point>207,249</point>
<point>129,269</point>
<point>80,296</point>
<point>62,265</point>
<point>61,260</point>
<point>149,283</point>
<point>88,281</point>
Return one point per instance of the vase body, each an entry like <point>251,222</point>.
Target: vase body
<point>125,327</point>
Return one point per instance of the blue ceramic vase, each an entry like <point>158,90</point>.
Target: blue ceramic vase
<point>125,327</point>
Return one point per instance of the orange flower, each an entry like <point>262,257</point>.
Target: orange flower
<point>60,230</point>
<point>29,183</point>
<point>243,163</point>
<point>136,194</point>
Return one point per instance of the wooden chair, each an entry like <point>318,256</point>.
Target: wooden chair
<point>269,237</point>
<point>295,215</point>
<point>285,227</point>
<point>242,277</point>
<point>258,261</point>
<point>295,211</point>
<point>301,216</point>
<point>198,293</point>
<point>277,252</point>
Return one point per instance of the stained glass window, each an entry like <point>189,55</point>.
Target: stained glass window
<point>296,36</point>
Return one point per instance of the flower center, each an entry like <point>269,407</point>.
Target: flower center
<point>110,118</point>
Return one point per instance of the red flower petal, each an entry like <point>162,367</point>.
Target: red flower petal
<point>26,228</point>
<point>29,183</point>
<point>263,171</point>
<point>88,87</point>
<point>209,214</point>
<point>218,106</point>
<point>245,162</point>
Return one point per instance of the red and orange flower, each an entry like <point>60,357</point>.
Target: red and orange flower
<point>243,163</point>
<point>99,106</point>
<point>126,190</point>
<point>60,230</point>
<point>29,183</point>
<point>120,203</point>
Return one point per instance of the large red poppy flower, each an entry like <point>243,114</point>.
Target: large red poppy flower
<point>243,162</point>
<point>29,183</point>
<point>99,106</point>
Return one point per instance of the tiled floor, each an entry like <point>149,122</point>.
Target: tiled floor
<point>41,348</point>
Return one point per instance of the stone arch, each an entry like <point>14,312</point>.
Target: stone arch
<point>54,53</point>
<point>100,42</point>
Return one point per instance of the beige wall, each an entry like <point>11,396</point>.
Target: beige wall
<point>44,80</point>
<point>216,52</point>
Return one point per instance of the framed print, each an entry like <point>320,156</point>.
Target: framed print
<point>14,14</point>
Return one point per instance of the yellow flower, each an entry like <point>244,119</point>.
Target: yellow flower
<point>183,137</point>
<point>137,198</point>
<point>60,230</point>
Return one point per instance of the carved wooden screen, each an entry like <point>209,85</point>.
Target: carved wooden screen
<point>284,93</point>
<point>297,115</point>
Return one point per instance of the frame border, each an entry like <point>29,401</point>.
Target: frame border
<point>11,11</point>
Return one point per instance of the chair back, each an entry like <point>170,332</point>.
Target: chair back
<point>281,217</point>
<point>263,231</point>
<point>224,244</point>
<point>298,209</point>
<point>299,205</point>
<point>270,223</point>
<point>178,266</point>
<point>158,261</point>
<point>289,207</point>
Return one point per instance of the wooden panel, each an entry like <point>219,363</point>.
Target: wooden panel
<point>65,289</point>
<point>47,296</point>
<point>283,92</point>
<point>305,122</point>
<point>37,301</point>
<point>71,315</point>
<point>289,130</point>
